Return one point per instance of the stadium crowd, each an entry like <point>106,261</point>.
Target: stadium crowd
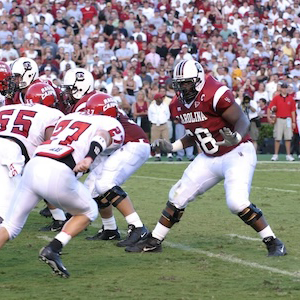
<point>131,48</point>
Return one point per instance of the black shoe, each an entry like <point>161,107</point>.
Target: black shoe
<point>56,225</point>
<point>157,158</point>
<point>170,158</point>
<point>52,259</point>
<point>45,212</point>
<point>150,244</point>
<point>105,235</point>
<point>179,159</point>
<point>134,235</point>
<point>275,246</point>
<point>191,159</point>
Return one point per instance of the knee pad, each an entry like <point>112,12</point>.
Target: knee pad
<point>100,203</point>
<point>173,215</point>
<point>115,192</point>
<point>250,214</point>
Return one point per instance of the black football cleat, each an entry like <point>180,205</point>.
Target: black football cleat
<point>105,235</point>
<point>52,259</point>
<point>45,212</point>
<point>134,235</point>
<point>55,226</point>
<point>150,244</point>
<point>275,246</point>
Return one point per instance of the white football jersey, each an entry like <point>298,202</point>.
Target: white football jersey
<point>28,123</point>
<point>74,133</point>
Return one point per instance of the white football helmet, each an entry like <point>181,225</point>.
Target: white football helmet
<point>188,80</point>
<point>78,82</point>
<point>27,69</point>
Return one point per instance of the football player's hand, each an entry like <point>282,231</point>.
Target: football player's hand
<point>83,165</point>
<point>230,138</point>
<point>163,145</point>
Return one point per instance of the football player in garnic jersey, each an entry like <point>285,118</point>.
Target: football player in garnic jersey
<point>22,128</point>
<point>217,124</point>
<point>52,173</point>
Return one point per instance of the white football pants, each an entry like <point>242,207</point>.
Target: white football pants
<point>52,180</point>
<point>236,167</point>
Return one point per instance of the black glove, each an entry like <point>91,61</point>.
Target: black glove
<point>230,138</point>
<point>163,145</point>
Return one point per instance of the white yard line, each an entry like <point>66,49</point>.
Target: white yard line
<point>175,180</point>
<point>231,259</point>
<point>188,162</point>
<point>277,170</point>
<point>243,237</point>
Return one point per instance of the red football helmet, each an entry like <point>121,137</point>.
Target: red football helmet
<point>41,93</point>
<point>7,83</point>
<point>102,104</point>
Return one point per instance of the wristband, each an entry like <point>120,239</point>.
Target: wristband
<point>98,144</point>
<point>238,137</point>
<point>177,145</point>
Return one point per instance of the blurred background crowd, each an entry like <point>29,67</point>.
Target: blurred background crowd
<point>131,48</point>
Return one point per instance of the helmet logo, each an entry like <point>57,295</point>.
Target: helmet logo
<point>79,76</point>
<point>47,91</point>
<point>27,65</point>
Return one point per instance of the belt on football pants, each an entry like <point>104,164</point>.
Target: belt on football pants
<point>68,160</point>
<point>21,145</point>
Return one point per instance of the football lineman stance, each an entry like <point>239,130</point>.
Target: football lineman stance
<point>117,168</point>
<point>216,123</point>
<point>77,141</point>
<point>22,128</point>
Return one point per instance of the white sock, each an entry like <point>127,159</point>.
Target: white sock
<point>157,155</point>
<point>63,237</point>
<point>134,219</point>
<point>58,214</point>
<point>266,232</point>
<point>160,231</point>
<point>110,223</point>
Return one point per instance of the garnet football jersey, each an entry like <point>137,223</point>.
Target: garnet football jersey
<point>28,123</point>
<point>202,118</point>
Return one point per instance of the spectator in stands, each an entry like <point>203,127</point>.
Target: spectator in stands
<point>66,61</point>
<point>159,114</point>
<point>283,105</point>
<point>261,93</point>
<point>48,74</point>
<point>153,57</point>
<point>140,112</point>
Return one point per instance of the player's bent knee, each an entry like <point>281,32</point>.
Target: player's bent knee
<point>13,231</point>
<point>92,214</point>
<point>250,214</point>
<point>115,195</point>
<point>102,186</point>
<point>172,214</point>
<point>102,202</point>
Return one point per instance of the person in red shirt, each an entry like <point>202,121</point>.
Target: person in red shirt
<point>284,106</point>
<point>88,12</point>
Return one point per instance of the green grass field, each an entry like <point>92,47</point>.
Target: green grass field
<point>210,254</point>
